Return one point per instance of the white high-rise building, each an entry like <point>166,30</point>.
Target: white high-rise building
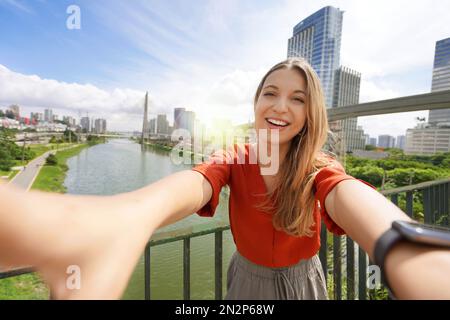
<point>433,136</point>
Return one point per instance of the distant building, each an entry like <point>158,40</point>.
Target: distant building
<point>375,155</point>
<point>317,38</point>
<point>427,140</point>
<point>184,119</point>
<point>70,121</point>
<point>100,126</point>
<point>366,139</point>
<point>162,125</point>
<point>189,121</point>
<point>85,124</point>
<point>15,109</point>
<point>178,117</point>
<point>401,142</point>
<point>373,142</point>
<point>48,115</point>
<point>434,136</point>
<point>386,141</point>
<point>346,92</point>
<point>441,79</point>
<point>152,126</point>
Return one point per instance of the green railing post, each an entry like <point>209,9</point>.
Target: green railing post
<point>147,271</point>
<point>409,203</point>
<point>218,264</point>
<point>337,267</point>
<point>362,277</point>
<point>187,269</point>
<point>350,269</point>
<point>323,250</point>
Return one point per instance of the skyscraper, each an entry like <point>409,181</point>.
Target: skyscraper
<point>48,115</point>
<point>386,141</point>
<point>441,79</point>
<point>85,124</point>
<point>15,109</point>
<point>162,125</point>
<point>318,39</point>
<point>401,142</point>
<point>145,122</point>
<point>100,126</point>
<point>152,126</point>
<point>434,136</point>
<point>177,117</point>
<point>346,92</point>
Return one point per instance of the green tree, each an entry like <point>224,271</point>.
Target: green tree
<point>403,176</point>
<point>368,173</point>
<point>51,160</point>
<point>6,161</point>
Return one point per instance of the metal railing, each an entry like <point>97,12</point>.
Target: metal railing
<point>435,197</point>
<point>435,204</point>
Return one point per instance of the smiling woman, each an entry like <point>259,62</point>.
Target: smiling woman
<point>275,219</point>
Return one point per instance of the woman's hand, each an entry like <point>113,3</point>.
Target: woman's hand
<point>103,237</point>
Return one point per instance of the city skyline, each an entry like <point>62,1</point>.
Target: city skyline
<point>211,80</point>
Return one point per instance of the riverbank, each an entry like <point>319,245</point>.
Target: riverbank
<point>51,179</point>
<point>169,148</point>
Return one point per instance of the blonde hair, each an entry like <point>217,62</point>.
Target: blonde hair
<point>293,198</point>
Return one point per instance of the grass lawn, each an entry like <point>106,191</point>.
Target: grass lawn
<point>24,287</point>
<point>10,174</point>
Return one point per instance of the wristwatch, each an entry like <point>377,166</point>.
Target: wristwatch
<point>412,232</point>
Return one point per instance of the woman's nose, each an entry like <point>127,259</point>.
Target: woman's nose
<point>280,105</point>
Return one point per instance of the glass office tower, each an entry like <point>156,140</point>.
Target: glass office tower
<point>318,39</point>
<point>441,79</point>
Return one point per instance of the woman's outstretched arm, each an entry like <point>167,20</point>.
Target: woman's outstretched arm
<point>413,271</point>
<point>103,235</point>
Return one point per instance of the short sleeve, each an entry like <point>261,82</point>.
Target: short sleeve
<point>217,171</point>
<point>326,179</point>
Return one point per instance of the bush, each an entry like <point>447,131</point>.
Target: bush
<point>371,174</point>
<point>51,160</point>
<point>6,162</point>
<point>404,177</point>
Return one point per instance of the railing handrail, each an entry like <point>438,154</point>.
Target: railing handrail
<point>187,232</point>
<point>435,194</point>
<point>426,101</point>
<point>414,187</point>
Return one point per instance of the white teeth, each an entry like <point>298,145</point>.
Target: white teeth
<point>277,122</point>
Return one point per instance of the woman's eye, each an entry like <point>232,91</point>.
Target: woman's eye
<point>268,94</point>
<point>299,100</point>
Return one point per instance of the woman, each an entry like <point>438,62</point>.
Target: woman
<point>277,235</point>
<point>275,219</point>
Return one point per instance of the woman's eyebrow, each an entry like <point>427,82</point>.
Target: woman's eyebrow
<point>276,88</point>
<point>300,91</point>
<point>271,86</point>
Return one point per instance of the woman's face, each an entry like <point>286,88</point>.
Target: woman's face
<point>281,104</point>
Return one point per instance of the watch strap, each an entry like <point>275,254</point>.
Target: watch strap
<point>383,245</point>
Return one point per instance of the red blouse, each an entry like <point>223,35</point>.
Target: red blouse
<point>253,232</point>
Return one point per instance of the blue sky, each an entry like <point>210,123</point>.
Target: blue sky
<point>207,56</point>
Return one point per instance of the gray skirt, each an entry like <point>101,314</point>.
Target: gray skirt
<point>249,281</point>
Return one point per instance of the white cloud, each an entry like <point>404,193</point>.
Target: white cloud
<point>31,91</point>
<point>215,55</point>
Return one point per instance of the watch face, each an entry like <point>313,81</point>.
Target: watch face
<point>423,233</point>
